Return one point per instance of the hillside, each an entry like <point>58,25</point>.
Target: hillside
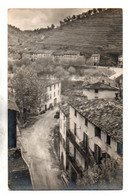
<point>97,33</point>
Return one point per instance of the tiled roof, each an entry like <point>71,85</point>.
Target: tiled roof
<point>107,114</point>
<point>66,53</point>
<point>100,86</point>
<point>12,105</point>
<point>49,82</point>
<point>65,109</point>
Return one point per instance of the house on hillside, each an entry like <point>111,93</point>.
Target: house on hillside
<point>67,56</point>
<point>53,91</point>
<point>100,90</point>
<point>94,60</point>
<point>41,54</point>
<point>120,61</point>
<point>95,133</point>
<point>12,123</point>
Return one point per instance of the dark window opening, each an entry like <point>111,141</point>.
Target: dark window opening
<point>97,153</point>
<point>85,140</point>
<point>97,132</point>
<point>96,91</point>
<point>74,128</point>
<point>119,149</point>
<point>75,113</point>
<point>86,122</point>
<point>108,140</point>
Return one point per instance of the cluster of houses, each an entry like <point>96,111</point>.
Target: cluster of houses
<point>90,130</point>
<point>70,55</point>
<point>90,126</point>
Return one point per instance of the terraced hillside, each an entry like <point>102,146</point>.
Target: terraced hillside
<point>98,33</point>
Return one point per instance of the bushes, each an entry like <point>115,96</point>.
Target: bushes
<point>108,173</point>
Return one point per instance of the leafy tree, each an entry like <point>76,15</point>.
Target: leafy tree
<point>109,173</point>
<point>72,70</point>
<point>61,73</point>
<point>29,92</point>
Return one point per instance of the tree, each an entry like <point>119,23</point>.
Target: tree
<point>72,70</point>
<point>108,172</point>
<point>52,26</point>
<point>29,93</point>
<point>60,72</point>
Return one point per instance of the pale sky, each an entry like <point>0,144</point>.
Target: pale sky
<point>29,19</point>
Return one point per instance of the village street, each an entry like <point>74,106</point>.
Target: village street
<point>38,152</point>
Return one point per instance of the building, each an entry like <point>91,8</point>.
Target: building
<point>118,80</point>
<point>120,61</point>
<point>12,124</point>
<point>67,56</point>
<point>53,91</point>
<point>94,60</point>
<point>41,54</point>
<point>95,133</point>
<point>64,126</point>
<point>100,90</point>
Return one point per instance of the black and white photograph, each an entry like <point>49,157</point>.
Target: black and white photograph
<point>65,98</point>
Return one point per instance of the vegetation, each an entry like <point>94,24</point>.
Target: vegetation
<point>29,93</point>
<point>107,174</point>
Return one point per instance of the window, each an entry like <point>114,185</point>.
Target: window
<point>97,153</point>
<point>54,86</point>
<point>86,122</point>
<point>75,113</point>
<point>108,140</point>
<point>96,90</point>
<point>119,149</point>
<point>74,128</point>
<point>85,140</point>
<point>58,92</point>
<point>54,94</point>
<point>50,88</point>
<point>58,85</point>
<point>97,132</point>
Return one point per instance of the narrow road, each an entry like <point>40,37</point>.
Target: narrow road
<point>37,150</point>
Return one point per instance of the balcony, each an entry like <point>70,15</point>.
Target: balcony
<point>75,165</point>
<point>85,151</point>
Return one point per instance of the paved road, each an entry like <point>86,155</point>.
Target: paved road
<point>38,152</point>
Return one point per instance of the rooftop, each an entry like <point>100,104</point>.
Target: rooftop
<point>65,109</point>
<point>107,114</point>
<point>100,86</point>
<point>12,105</point>
<point>49,82</point>
<point>69,52</point>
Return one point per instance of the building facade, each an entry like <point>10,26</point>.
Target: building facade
<point>67,56</point>
<point>100,90</point>
<point>53,93</point>
<point>12,124</point>
<point>64,126</point>
<point>94,60</point>
<point>95,132</point>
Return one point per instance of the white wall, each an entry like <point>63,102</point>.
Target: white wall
<point>63,120</point>
<point>57,91</point>
<point>90,93</point>
<point>90,131</point>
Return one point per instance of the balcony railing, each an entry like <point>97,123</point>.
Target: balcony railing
<point>75,164</point>
<point>84,150</point>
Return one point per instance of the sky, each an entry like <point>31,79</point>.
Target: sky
<point>29,19</point>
